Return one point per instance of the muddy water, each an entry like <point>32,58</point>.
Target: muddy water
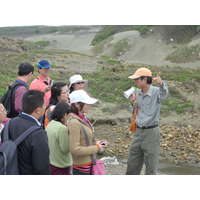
<point>183,169</point>
<point>111,134</point>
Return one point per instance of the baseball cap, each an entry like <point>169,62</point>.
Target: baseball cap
<point>81,96</point>
<point>44,64</point>
<point>76,79</point>
<point>141,72</point>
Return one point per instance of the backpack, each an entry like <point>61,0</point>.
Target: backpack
<point>46,117</point>
<point>8,151</point>
<point>8,99</point>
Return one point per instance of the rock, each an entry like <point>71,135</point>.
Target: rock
<point>176,121</point>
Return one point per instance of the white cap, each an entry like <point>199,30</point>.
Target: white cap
<point>76,79</point>
<point>81,96</point>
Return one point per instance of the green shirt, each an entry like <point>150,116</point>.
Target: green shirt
<point>60,155</point>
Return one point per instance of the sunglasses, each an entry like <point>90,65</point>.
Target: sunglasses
<point>80,82</point>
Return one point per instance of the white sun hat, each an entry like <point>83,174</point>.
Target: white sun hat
<point>81,96</point>
<point>76,79</point>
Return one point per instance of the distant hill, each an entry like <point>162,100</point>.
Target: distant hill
<point>27,31</point>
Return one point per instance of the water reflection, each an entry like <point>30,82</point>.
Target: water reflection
<point>183,169</point>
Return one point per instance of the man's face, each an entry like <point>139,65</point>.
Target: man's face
<point>44,72</point>
<point>139,83</point>
<point>30,76</point>
<point>3,113</point>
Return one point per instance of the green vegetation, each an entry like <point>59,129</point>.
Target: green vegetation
<point>30,30</point>
<point>120,46</point>
<point>107,108</point>
<point>111,61</point>
<point>98,48</point>
<point>36,45</point>
<point>109,30</point>
<point>183,53</point>
<point>53,30</point>
<point>176,105</point>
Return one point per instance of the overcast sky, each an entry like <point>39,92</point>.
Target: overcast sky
<point>90,12</point>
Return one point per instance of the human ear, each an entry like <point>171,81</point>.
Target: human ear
<point>77,105</point>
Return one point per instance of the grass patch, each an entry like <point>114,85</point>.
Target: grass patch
<point>43,43</point>
<point>119,47</point>
<point>34,46</point>
<point>98,48</point>
<point>111,61</point>
<point>175,104</point>
<point>109,30</point>
<point>107,108</point>
<point>182,53</point>
<point>181,108</point>
<point>53,31</point>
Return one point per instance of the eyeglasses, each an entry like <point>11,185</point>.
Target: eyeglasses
<point>80,82</point>
<point>65,92</point>
<point>5,111</point>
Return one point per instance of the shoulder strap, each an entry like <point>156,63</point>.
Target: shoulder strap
<point>87,141</point>
<point>88,144</point>
<point>45,112</point>
<point>18,83</point>
<point>22,83</point>
<point>23,136</point>
<point>6,130</point>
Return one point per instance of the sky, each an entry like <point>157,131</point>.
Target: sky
<point>104,12</point>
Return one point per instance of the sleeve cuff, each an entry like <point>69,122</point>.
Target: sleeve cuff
<point>98,147</point>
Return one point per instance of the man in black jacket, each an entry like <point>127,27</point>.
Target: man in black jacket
<point>33,152</point>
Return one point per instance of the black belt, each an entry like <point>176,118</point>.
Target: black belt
<point>147,127</point>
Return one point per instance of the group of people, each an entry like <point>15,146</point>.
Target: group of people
<point>59,147</point>
<point>60,112</point>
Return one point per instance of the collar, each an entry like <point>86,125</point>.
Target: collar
<point>149,92</point>
<point>32,118</point>
<point>40,78</point>
<point>21,81</point>
<point>81,116</point>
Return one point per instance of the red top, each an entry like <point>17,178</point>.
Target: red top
<point>38,84</point>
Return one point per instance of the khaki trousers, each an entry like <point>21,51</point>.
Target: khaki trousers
<point>144,148</point>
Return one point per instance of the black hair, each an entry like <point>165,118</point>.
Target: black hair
<point>25,69</point>
<point>55,92</point>
<point>31,100</point>
<point>75,109</point>
<point>60,110</point>
<point>149,79</point>
<point>71,89</point>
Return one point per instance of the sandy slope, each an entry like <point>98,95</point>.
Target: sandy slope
<point>77,43</point>
<point>151,50</point>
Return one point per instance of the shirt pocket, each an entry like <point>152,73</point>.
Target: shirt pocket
<point>149,109</point>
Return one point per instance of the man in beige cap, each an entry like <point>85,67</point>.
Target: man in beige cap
<point>145,145</point>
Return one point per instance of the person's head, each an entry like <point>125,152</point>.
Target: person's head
<point>80,102</point>
<point>61,112</point>
<point>44,68</point>
<point>3,113</point>
<point>59,93</point>
<point>77,83</point>
<point>142,77</point>
<point>34,103</point>
<point>26,70</point>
